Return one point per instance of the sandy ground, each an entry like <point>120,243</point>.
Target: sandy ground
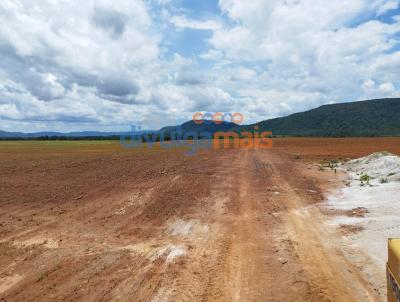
<point>97,223</point>
<point>367,215</point>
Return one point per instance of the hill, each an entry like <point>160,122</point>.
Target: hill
<point>69,135</point>
<point>380,117</point>
<point>206,126</point>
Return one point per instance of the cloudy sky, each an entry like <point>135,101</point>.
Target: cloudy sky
<point>69,65</point>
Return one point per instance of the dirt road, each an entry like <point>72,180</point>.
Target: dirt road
<point>226,225</point>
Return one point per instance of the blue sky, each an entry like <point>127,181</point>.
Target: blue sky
<point>105,65</point>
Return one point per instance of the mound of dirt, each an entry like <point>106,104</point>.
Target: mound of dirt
<point>372,214</point>
<point>382,166</point>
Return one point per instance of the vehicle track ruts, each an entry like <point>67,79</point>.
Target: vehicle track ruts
<point>251,231</point>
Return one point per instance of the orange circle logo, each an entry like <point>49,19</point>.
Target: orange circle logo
<point>198,118</point>
<point>237,118</point>
<point>218,118</point>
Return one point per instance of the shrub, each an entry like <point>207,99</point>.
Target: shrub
<point>365,178</point>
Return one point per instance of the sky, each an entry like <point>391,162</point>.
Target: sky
<point>73,65</point>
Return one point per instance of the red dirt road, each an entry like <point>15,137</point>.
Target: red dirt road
<point>98,223</point>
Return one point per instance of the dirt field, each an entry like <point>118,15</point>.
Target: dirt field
<point>94,222</point>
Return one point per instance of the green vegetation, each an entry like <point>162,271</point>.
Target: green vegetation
<point>328,164</point>
<point>58,138</point>
<point>384,180</point>
<point>367,118</point>
<point>364,179</point>
<point>34,146</point>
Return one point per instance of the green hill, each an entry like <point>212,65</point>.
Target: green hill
<point>366,118</point>
<point>206,126</point>
<point>379,117</point>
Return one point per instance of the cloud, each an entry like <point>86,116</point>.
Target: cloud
<point>73,65</point>
<point>387,88</point>
<point>70,59</point>
<point>188,78</point>
<point>212,54</point>
<point>306,53</point>
<point>385,6</point>
<point>182,22</point>
<point>112,21</point>
<point>117,86</point>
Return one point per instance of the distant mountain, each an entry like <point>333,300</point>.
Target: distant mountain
<point>379,117</point>
<point>188,127</point>
<point>205,126</point>
<point>83,134</point>
<point>4,134</point>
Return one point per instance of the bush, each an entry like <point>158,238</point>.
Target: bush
<point>384,180</point>
<point>365,178</point>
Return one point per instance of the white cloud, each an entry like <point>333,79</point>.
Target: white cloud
<point>212,54</point>
<point>74,61</point>
<point>387,88</point>
<point>77,65</point>
<point>385,6</point>
<point>368,84</point>
<point>312,52</point>
<point>183,22</point>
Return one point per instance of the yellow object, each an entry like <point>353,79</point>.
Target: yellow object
<point>393,270</point>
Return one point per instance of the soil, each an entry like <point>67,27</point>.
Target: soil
<point>92,221</point>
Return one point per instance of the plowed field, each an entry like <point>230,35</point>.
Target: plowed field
<point>92,221</point>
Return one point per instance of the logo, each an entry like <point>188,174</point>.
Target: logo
<point>217,118</point>
<point>194,139</point>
